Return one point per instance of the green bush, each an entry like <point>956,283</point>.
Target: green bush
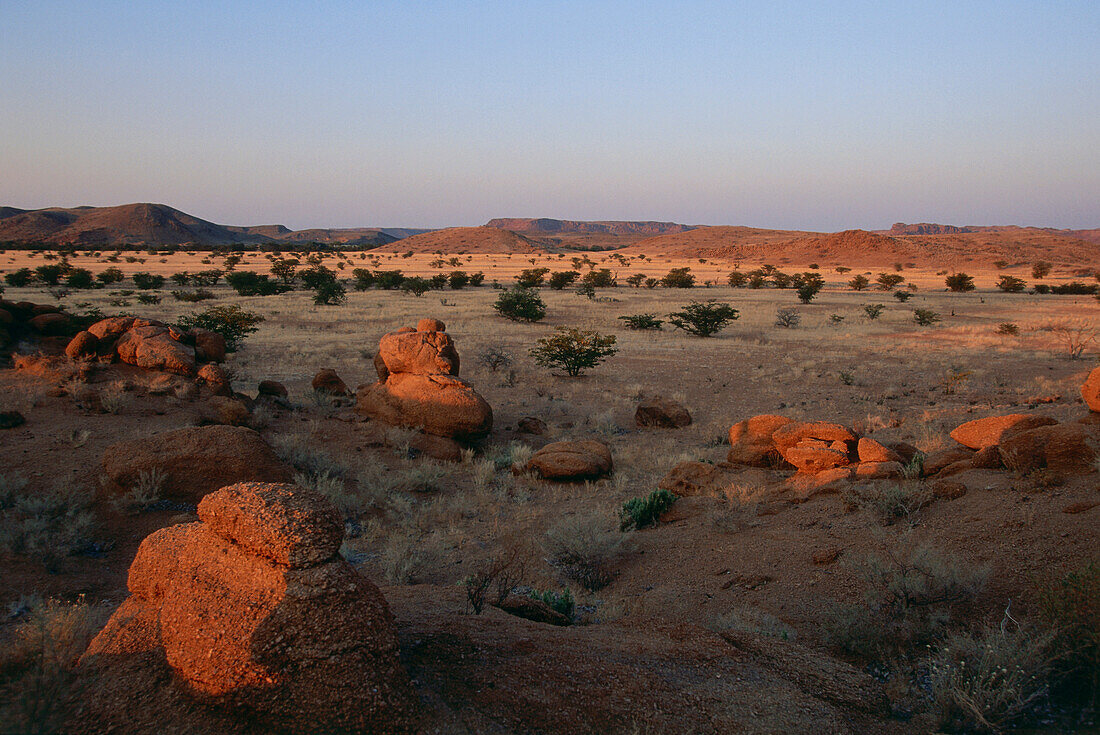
<point>50,274</point>
<point>560,279</point>
<point>364,279</point>
<point>703,318</point>
<point>1040,269</point>
<point>251,283</point>
<point>191,297</point>
<point>925,317</point>
<point>807,292</point>
<point>80,278</point>
<point>678,278</point>
<point>858,283</point>
<point>959,282</point>
<point>476,279</point>
<point>641,512</point>
<point>317,276</point>
<point>1075,288</point>
<point>560,602</point>
<point>889,281</point>
<point>1070,607</point>
<point>642,321</point>
<point>416,285</point>
<point>389,280</point>
<point>520,304</point>
<point>147,281</point>
<point>573,350</point>
<point>1011,284</point>
<point>737,279</point>
<point>873,311</point>
<point>602,278</point>
<point>532,277</point>
<point>331,293</point>
<point>458,280</point>
<point>903,296</point>
<point>231,322</point>
<point>19,278</point>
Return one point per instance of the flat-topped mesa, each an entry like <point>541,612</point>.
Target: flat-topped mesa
<point>418,386</point>
<point>254,610</point>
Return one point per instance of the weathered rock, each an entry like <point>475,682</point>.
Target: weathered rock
<point>1080,506</point>
<point>436,447</point>
<point>828,555</point>
<point>987,459</point>
<point>878,470</point>
<point>813,458</point>
<point>988,432</point>
<point>224,410</point>
<point>1061,447</point>
<point>272,388</point>
<point>380,367</point>
<point>689,478</point>
<point>904,450</point>
<point>279,522</point>
<point>209,346</point>
<point>948,489</point>
<point>254,611</point>
<point>1090,391</point>
<point>83,346</point>
<point>795,432</point>
<point>661,412</point>
<point>936,461</point>
<point>214,377</point>
<point>153,348</point>
<point>419,353</point>
<point>531,425</point>
<point>50,323</point>
<point>109,330</point>
<point>430,325</point>
<point>196,460</point>
<point>327,381</point>
<point>751,440</point>
<point>870,450</point>
<point>571,460</point>
<point>444,405</point>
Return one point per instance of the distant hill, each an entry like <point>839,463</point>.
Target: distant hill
<point>926,228</point>
<point>459,240</point>
<point>159,225</point>
<point>555,226</point>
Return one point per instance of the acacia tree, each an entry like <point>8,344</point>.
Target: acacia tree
<point>573,350</point>
<point>703,318</point>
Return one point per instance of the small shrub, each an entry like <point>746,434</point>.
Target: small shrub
<point>49,274</point>
<point>573,350</point>
<point>788,318</point>
<point>1075,288</point>
<point>330,293</point>
<point>148,298</point>
<point>48,526</point>
<point>192,297</point>
<point>889,281</point>
<point>1008,329</point>
<point>1040,269</point>
<point>737,279</point>
<point>80,278</point>
<point>560,602</point>
<point>584,551</point>
<point>1070,608</point>
<point>144,492</point>
<point>109,276</point>
<point>19,278</point>
<point>903,296</point>
<point>231,322</point>
<point>859,282</point>
<point>642,321</point>
<point>364,279</point>
<point>520,304</point>
<point>560,279</point>
<point>494,357</point>
<point>147,281</point>
<point>532,277</point>
<point>703,318</point>
<point>808,291</point>
<point>925,317</point>
<point>416,285</point>
<point>250,283</point>
<point>492,580</point>
<point>1011,284</point>
<point>458,280</point>
<point>874,311</point>
<point>600,278</point>
<point>959,282</point>
<point>1075,336</point>
<point>678,278</point>
<point>641,512</point>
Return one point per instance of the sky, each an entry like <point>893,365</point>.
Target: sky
<point>803,115</point>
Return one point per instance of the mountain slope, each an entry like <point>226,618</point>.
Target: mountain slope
<point>459,240</point>
<point>610,227</point>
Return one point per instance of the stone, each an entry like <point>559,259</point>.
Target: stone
<point>225,410</point>
<point>948,489</point>
<point>436,447</point>
<point>828,555</point>
<point>531,425</point>
<point>327,381</point>
<point>209,345</point>
<point>195,461</point>
<point>109,330</point>
<point>751,440</point>
<point>1080,506</point>
<point>419,353</point>
<point>443,405</point>
<point>272,388</point>
<point>878,470</point>
<point>253,610</point>
<point>938,460</point>
<point>1062,448</point>
<point>380,367</point>
<point>571,461</point>
<point>528,608</point>
<point>793,433</point>
<point>689,478</point>
<point>661,412</point>
<point>83,346</point>
<point>988,432</point>
<point>430,325</point>
<point>153,348</point>
<point>870,450</point>
<point>1090,390</point>
<point>812,458</point>
<point>213,376</point>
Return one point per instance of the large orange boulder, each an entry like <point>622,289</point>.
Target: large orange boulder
<point>1061,447</point>
<point>154,348</point>
<point>444,405</point>
<point>661,412</point>
<point>813,457</point>
<point>795,432</point>
<point>1090,391</point>
<point>110,329</point>
<point>419,353</point>
<point>254,611</point>
<point>571,460</point>
<point>194,461</point>
<point>83,346</point>
<point>814,446</point>
<point>751,440</point>
<point>988,432</point>
<point>870,450</point>
<point>430,325</point>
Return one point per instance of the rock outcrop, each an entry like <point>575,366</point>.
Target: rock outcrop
<point>571,461</point>
<point>661,412</point>
<point>421,388</point>
<point>254,611</point>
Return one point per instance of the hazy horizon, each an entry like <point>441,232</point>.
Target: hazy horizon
<point>430,115</point>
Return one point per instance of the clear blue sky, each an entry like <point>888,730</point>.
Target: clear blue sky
<point>812,115</point>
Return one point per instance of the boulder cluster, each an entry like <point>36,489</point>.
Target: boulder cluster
<point>254,611</point>
<point>152,345</point>
<point>25,319</point>
<point>418,386</point>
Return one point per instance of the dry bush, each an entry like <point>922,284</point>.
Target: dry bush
<point>494,578</point>
<point>1074,336</point>
<point>411,558</point>
<point>752,620</point>
<point>47,526</point>
<point>889,500</point>
<point>38,684</point>
<point>984,682</point>
<point>583,550</point>
<point>911,594</point>
<point>144,492</point>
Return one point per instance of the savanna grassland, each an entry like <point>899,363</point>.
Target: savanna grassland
<point>875,578</point>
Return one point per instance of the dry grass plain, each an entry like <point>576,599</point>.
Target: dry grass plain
<point>734,557</point>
